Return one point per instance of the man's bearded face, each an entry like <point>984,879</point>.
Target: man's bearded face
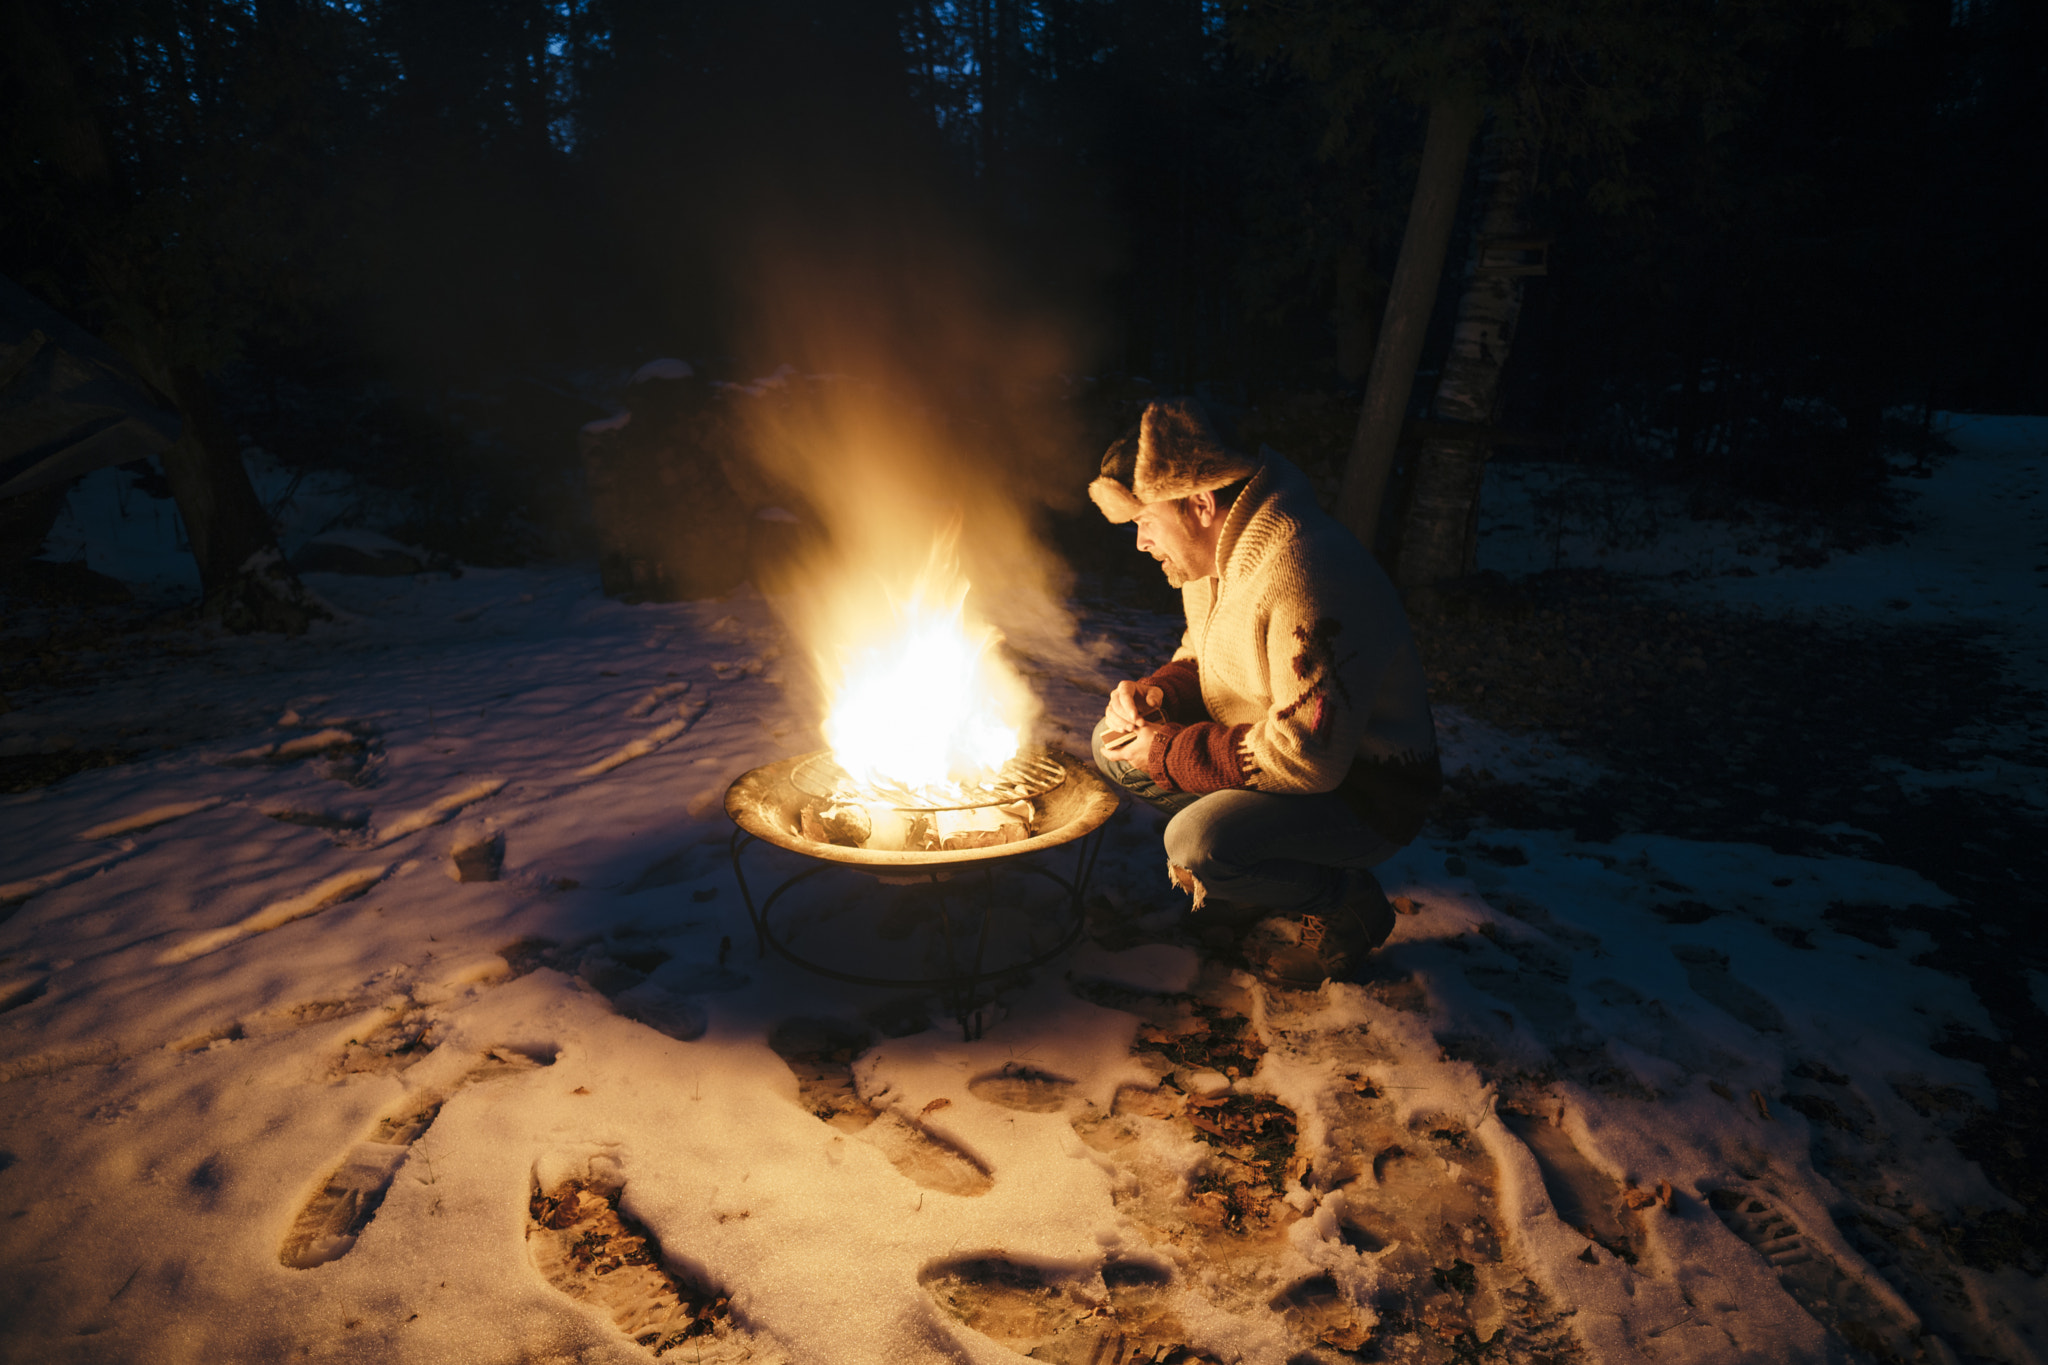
<point>1167,532</point>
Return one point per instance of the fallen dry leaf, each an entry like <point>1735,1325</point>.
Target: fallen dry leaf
<point>1348,1335</point>
<point>1405,905</point>
<point>940,1103</point>
<point>1757,1098</point>
<point>1664,1193</point>
<point>1637,1198</point>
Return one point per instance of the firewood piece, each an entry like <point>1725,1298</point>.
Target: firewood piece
<point>1010,831</point>
<point>1025,813</point>
<point>844,823</point>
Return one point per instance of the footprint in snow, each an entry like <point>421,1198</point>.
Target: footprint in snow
<point>587,1247</point>
<point>271,1022</point>
<point>682,865</point>
<point>647,743</point>
<point>821,1052</point>
<point>438,811</point>
<point>342,886</point>
<point>330,741</point>
<point>1551,1012</point>
<point>1023,1088</point>
<point>619,972</point>
<point>327,1228</point>
<point>1586,1199</point>
<point>149,819</point>
<point>344,826</point>
<point>14,894</point>
<point>1706,971</point>
<point>403,1036</point>
<point>22,990</point>
<point>647,704</point>
<point>1117,1316</point>
<point>353,752</point>
<point>476,855</point>
<point>1839,1302</point>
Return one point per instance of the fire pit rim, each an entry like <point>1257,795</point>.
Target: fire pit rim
<point>750,798</point>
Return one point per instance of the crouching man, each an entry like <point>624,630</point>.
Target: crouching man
<point>1290,735</point>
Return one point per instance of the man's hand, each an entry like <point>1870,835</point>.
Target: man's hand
<point>1134,745</point>
<point>1132,705</point>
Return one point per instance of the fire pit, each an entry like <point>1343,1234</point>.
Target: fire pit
<point>912,861</point>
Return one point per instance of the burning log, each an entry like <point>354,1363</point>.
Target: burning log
<point>984,826</point>
<point>846,823</point>
<point>853,823</point>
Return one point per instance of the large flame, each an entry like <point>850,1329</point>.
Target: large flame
<point>920,696</point>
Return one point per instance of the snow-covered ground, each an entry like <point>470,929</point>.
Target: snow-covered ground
<point>1980,519</point>
<point>431,913</point>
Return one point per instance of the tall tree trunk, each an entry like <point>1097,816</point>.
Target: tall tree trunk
<point>247,583</point>
<point>1439,538</point>
<point>1453,120</point>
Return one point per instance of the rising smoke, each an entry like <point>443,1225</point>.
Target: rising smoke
<point>930,403</point>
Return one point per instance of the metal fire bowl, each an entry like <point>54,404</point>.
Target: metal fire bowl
<point>764,804</point>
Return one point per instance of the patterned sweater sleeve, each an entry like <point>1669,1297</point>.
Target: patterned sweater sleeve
<point>1324,662</point>
<point>1180,685</point>
<point>1207,756</point>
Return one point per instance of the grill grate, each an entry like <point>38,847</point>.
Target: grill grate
<point>1023,777</point>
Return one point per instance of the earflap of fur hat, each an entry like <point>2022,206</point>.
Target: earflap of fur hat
<point>1114,500</point>
<point>1112,491</point>
<point>1179,453</point>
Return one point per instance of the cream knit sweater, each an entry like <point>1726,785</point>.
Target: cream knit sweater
<point>1307,677</point>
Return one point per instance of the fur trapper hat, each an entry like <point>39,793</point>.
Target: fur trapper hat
<point>1172,453</point>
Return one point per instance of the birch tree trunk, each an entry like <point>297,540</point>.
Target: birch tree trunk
<point>1453,120</point>
<point>1439,539</point>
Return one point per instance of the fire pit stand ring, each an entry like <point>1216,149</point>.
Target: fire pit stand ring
<point>763,805</point>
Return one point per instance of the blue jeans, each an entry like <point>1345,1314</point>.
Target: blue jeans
<point>1260,853</point>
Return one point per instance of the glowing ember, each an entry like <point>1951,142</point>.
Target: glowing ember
<point>920,697</point>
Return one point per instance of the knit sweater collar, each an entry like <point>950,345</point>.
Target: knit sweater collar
<point>1263,516</point>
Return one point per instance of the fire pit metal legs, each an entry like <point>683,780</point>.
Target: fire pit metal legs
<point>958,985</point>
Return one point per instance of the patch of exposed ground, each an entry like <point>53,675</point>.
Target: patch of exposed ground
<point>1420,1275</point>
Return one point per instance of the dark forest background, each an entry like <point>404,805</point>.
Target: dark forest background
<point>400,238</point>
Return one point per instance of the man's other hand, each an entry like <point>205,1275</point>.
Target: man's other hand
<point>1134,745</point>
<point>1131,705</point>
